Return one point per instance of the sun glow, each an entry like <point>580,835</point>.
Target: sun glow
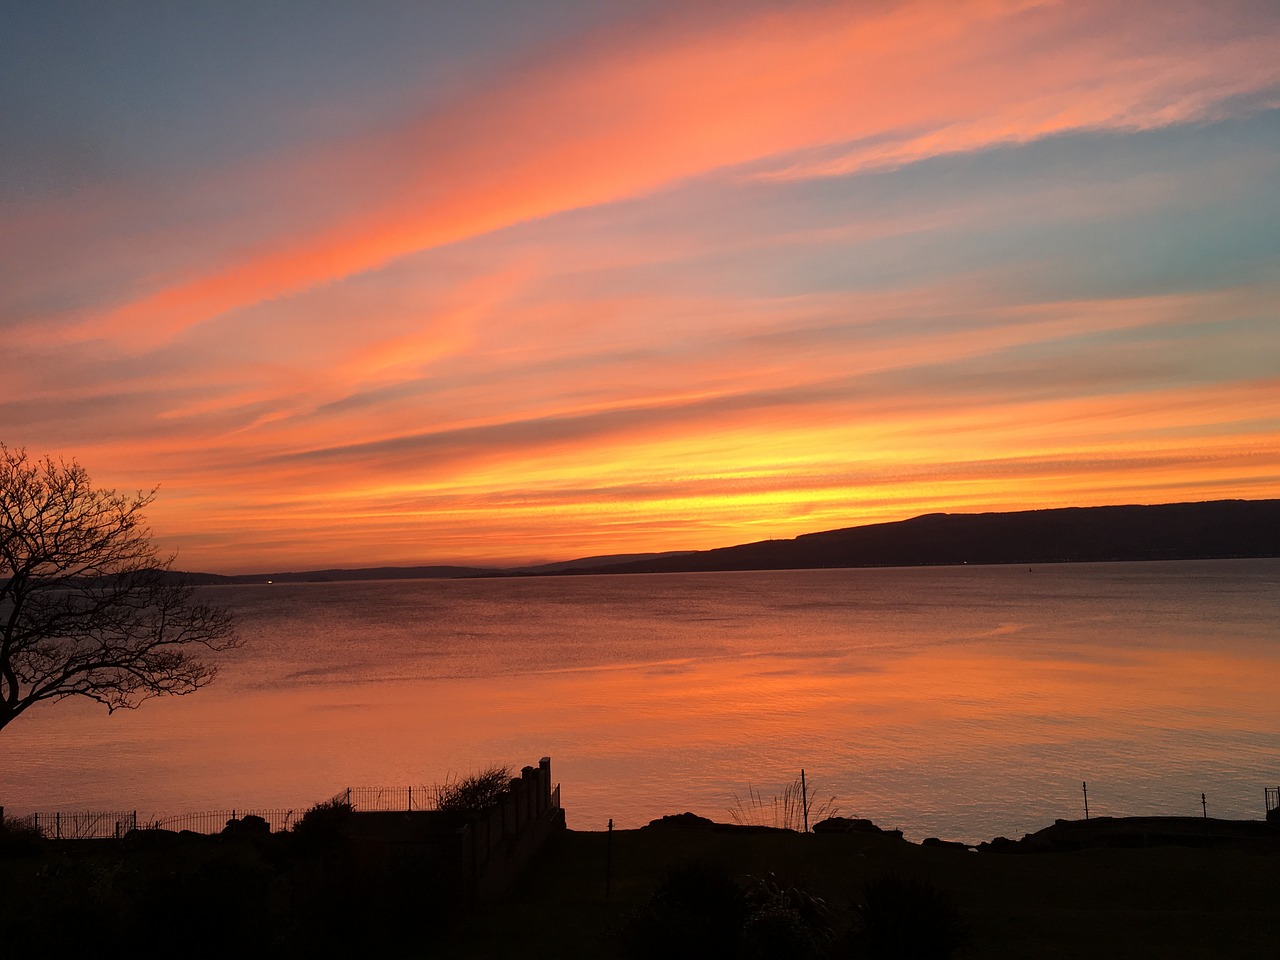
<point>669,283</point>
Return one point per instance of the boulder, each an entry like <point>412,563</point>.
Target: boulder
<point>247,826</point>
<point>851,825</point>
<point>682,820</point>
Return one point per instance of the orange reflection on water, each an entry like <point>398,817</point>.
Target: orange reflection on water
<point>897,738</point>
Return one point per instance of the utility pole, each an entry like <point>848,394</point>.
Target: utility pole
<point>608,861</point>
<point>804,799</point>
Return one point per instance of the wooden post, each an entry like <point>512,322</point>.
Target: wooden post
<point>804,799</point>
<point>608,860</point>
<point>1204,806</point>
<point>1085,787</point>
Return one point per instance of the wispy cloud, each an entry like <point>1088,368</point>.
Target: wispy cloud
<point>622,115</point>
<point>680,277</point>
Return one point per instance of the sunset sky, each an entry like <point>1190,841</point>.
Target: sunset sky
<point>498,282</point>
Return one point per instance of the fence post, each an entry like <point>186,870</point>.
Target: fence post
<point>57,821</point>
<point>608,860</point>
<point>804,799</point>
<point>527,791</point>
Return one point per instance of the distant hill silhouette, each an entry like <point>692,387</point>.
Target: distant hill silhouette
<point>591,564</point>
<point>329,576</point>
<point>1175,531</point>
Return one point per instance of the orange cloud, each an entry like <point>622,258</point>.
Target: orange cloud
<point>622,116</point>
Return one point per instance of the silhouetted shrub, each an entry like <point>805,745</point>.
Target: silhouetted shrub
<point>361,898</point>
<point>18,837</point>
<point>59,908</point>
<point>784,810</point>
<point>200,904</point>
<point>785,920</point>
<point>474,793</point>
<point>697,912</point>
<point>906,919</point>
<point>324,823</point>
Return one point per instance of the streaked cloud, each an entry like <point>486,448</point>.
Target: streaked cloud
<point>670,277</point>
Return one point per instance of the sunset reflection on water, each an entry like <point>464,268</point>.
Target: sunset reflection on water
<point>951,702</point>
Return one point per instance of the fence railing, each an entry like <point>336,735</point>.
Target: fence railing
<point>1272,798</point>
<point>92,825</point>
<point>214,821</point>
<point>389,799</point>
<point>105,825</point>
<point>78,825</point>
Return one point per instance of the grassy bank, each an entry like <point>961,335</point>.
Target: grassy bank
<point>1165,902</point>
<point>284,896</point>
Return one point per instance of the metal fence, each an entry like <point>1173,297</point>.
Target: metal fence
<point>100,825</point>
<point>78,825</point>
<point>214,821</point>
<point>389,798</point>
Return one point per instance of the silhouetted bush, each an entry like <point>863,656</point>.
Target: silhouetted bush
<point>784,810</point>
<point>697,912</point>
<point>906,919</point>
<point>785,920</point>
<point>59,909</point>
<point>359,898</point>
<point>201,904</point>
<point>474,793</point>
<point>18,838</point>
<point>323,824</point>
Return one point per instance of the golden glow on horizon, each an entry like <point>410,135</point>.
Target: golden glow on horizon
<point>889,706</point>
<point>690,282</point>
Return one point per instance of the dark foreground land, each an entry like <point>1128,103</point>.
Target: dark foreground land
<point>1154,888</point>
<point>1219,900</point>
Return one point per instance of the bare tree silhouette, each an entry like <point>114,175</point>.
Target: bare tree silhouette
<point>87,607</point>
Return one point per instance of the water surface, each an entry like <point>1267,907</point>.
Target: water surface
<point>962,702</point>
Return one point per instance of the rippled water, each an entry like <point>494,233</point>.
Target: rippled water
<point>958,702</point>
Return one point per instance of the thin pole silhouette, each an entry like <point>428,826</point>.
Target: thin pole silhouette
<point>804,799</point>
<point>608,860</point>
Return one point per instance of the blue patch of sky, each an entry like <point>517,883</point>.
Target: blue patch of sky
<point>131,88</point>
<point>1218,224</point>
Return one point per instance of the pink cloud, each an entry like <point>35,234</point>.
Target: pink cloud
<point>622,116</point>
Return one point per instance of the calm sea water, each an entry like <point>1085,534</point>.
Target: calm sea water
<point>957,702</point>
